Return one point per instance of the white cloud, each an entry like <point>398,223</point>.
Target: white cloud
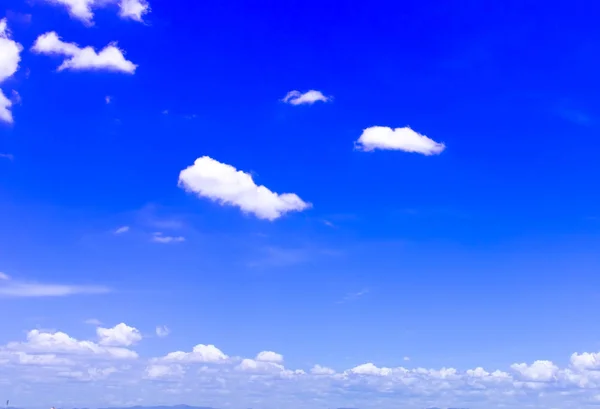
<point>269,356</point>
<point>321,370</point>
<point>251,365</point>
<point>119,335</point>
<point>13,288</point>
<point>164,371</point>
<point>370,369</point>
<point>226,185</point>
<point>107,99</point>
<point>542,371</point>
<point>406,358</point>
<point>83,9</point>
<point>133,9</point>
<point>122,229</point>
<point>110,58</point>
<point>6,155</point>
<point>10,57</point>
<point>586,360</point>
<point>200,353</point>
<point>159,237</point>
<point>402,139</point>
<point>309,97</point>
<point>162,331</point>
<point>59,342</point>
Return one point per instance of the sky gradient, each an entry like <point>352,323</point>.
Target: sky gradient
<point>299,204</point>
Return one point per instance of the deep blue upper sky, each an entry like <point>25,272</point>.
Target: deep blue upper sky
<point>484,255</point>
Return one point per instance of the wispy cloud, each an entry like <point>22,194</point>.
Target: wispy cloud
<point>354,296</point>
<point>122,229</point>
<point>6,156</point>
<point>16,288</point>
<point>93,321</point>
<point>307,98</point>
<point>159,237</point>
<point>162,331</point>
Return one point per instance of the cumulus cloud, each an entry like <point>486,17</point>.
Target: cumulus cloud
<point>401,139</point>
<point>15,288</point>
<point>307,98</point>
<point>119,335</point>
<point>200,353</point>
<point>110,58</point>
<point>162,331</point>
<point>46,342</point>
<point>269,356</point>
<point>226,185</point>
<point>83,9</point>
<point>177,377</point>
<point>10,57</point>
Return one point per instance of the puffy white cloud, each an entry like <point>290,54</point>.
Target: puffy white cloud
<point>401,139</point>
<point>158,371</point>
<point>226,185</point>
<point>308,98</point>
<point>370,369</point>
<point>159,237</point>
<point>60,342</point>
<point>269,356</point>
<point>252,365</point>
<point>119,335</point>
<point>540,371</point>
<point>83,9</point>
<point>15,288</point>
<point>110,58</point>
<point>10,57</point>
<point>162,331</point>
<point>586,360</point>
<point>200,353</point>
<point>133,9</point>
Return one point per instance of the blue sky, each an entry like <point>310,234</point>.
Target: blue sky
<point>437,246</point>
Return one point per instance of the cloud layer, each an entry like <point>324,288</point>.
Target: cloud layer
<point>108,363</point>
<point>110,58</point>
<point>226,185</point>
<point>400,139</point>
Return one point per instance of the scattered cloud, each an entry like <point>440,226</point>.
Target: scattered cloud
<point>226,185</point>
<point>159,237</point>
<point>162,331</point>
<point>6,156</point>
<point>406,358</point>
<point>110,58</point>
<point>402,139</point>
<point>83,9</point>
<point>122,229</point>
<point>308,98</point>
<point>108,99</point>
<point>119,335</point>
<point>111,361</point>
<point>10,57</point>
<point>14,288</point>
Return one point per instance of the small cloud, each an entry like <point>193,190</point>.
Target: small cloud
<point>121,230</point>
<point>328,223</point>
<point>20,18</point>
<point>224,184</point>
<point>14,288</point>
<point>7,156</point>
<point>308,98</point>
<point>108,99</point>
<point>16,97</point>
<point>93,321</point>
<point>158,237</point>
<point>165,112</point>
<point>401,139</point>
<point>162,331</point>
<point>354,296</point>
<point>133,9</point>
<point>110,58</point>
<point>406,358</point>
<point>82,9</point>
